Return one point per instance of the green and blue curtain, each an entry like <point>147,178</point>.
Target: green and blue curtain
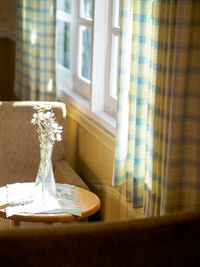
<point>35,50</point>
<point>158,118</point>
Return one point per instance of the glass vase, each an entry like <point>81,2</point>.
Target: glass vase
<point>45,181</point>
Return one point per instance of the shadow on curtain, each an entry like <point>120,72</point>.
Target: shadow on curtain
<point>176,166</point>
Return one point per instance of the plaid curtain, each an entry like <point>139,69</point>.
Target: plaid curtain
<point>35,50</point>
<point>157,150</point>
<point>176,166</point>
<point>133,151</point>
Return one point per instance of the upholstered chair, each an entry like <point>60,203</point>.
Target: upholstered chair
<point>19,145</point>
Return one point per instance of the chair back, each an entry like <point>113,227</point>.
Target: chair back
<point>19,144</point>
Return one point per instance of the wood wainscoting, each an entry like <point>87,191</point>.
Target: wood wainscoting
<point>90,151</point>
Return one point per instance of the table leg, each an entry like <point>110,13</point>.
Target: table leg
<point>14,223</point>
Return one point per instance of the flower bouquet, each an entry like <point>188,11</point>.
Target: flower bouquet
<point>48,132</point>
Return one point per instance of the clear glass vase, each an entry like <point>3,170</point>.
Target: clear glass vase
<point>45,182</point>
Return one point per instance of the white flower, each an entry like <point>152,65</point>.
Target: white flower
<point>35,118</point>
<point>36,107</point>
<point>47,116</point>
<point>42,107</point>
<point>33,121</point>
<point>41,116</point>
<point>58,137</point>
<point>56,128</point>
<point>55,137</point>
<point>48,129</point>
<point>54,125</point>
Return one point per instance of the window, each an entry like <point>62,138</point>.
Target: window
<point>87,49</point>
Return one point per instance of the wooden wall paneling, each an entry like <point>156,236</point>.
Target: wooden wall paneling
<point>90,151</point>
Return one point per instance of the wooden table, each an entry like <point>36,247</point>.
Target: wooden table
<point>88,202</point>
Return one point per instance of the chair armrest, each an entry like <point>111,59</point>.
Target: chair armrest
<point>65,174</point>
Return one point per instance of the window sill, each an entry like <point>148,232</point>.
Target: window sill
<point>101,118</point>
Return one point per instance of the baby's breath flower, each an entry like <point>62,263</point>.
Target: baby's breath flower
<point>58,137</point>
<point>42,107</point>
<point>48,129</point>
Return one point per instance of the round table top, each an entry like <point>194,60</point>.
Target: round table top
<point>88,202</point>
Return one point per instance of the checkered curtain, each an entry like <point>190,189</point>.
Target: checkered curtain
<point>158,119</point>
<point>176,167</point>
<point>35,50</point>
<point>133,151</point>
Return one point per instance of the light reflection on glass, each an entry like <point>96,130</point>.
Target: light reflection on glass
<point>86,7</point>
<point>64,5</point>
<point>85,60</point>
<point>114,67</point>
<point>116,13</point>
<point>63,44</point>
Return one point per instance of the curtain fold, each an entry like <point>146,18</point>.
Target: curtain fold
<point>176,176</point>
<point>35,50</point>
<point>157,150</point>
<point>135,97</point>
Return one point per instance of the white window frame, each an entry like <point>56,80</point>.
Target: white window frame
<point>64,75</point>
<point>93,98</point>
<point>113,32</point>
<point>81,86</point>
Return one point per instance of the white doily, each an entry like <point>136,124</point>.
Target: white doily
<point>25,198</point>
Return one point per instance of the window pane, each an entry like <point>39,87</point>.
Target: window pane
<point>114,67</point>
<point>64,5</point>
<point>85,52</point>
<point>116,13</point>
<point>63,44</point>
<point>86,9</point>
